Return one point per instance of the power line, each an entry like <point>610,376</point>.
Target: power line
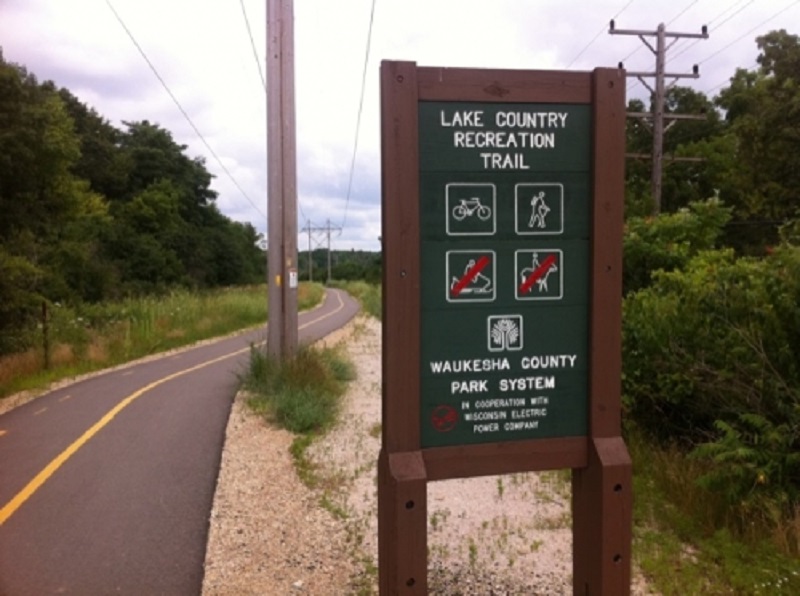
<point>657,115</point>
<point>327,229</point>
<point>696,41</point>
<point>731,16</point>
<point>738,39</point>
<point>599,33</point>
<point>253,45</point>
<point>673,18</point>
<point>728,80</point>
<point>180,107</point>
<point>690,44</point>
<point>358,119</point>
<point>677,16</point>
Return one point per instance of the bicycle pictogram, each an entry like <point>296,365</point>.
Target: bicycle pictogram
<point>472,206</point>
<point>470,209</point>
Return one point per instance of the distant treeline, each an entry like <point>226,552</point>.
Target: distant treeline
<point>89,212</point>
<point>346,265</point>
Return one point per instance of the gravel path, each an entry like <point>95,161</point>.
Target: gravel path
<point>270,534</point>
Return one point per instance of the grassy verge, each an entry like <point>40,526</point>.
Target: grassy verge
<point>301,395</point>
<point>369,295</point>
<point>685,545</point>
<point>95,336</point>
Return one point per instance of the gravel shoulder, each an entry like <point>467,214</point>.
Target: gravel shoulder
<point>271,534</point>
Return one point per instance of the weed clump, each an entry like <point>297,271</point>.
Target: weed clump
<point>301,394</point>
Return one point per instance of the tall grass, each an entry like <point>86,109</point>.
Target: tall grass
<point>93,336</point>
<point>369,295</point>
<point>301,394</point>
<point>685,541</point>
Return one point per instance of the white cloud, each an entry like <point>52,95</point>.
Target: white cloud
<point>202,51</point>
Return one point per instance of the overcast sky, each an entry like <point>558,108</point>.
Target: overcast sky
<point>202,51</point>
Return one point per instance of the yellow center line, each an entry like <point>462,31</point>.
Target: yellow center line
<point>37,412</point>
<point>11,507</point>
<point>65,398</point>
<point>330,314</point>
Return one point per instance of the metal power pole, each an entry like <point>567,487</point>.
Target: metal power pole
<point>329,251</point>
<point>657,114</point>
<point>327,229</point>
<point>310,260</point>
<point>282,181</point>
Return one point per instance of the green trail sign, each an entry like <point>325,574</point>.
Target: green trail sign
<point>502,200</point>
<point>504,231</point>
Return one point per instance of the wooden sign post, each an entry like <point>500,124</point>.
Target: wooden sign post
<point>502,245</point>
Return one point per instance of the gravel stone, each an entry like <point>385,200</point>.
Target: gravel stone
<point>271,534</point>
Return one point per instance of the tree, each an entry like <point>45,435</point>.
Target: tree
<point>90,212</point>
<point>682,182</point>
<point>763,113</point>
<point>50,218</point>
<point>101,161</point>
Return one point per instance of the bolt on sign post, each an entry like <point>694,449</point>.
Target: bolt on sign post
<point>502,242</point>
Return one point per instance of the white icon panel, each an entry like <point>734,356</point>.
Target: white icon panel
<point>471,209</point>
<point>504,333</point>
<point>470,275</point>
<point>539,274</point>
<point>539,208</point>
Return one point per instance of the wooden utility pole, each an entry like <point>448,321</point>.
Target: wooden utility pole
<point>659,95</point>
<point>282,181</point>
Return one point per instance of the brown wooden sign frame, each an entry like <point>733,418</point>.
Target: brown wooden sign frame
<point>601,485</point>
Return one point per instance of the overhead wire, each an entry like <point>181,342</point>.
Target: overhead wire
<point>749,31</point>
<point>358,118</point>
<point>180,107</point>
<point>253,45</point>
<point>738,39</point>
<point>728,80</point>
<point>599,33</point>
<point>672,20</point>
<point>677,16</point>
<point>694,42</point>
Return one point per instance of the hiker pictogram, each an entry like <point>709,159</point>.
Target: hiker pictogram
<point>539,208</point>
<point>539,211</point>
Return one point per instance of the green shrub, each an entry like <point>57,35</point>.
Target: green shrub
<point>668,241</point>
<point>715,340</point>
<point>711,359</point>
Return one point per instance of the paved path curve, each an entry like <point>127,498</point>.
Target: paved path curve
<point>106,485</point>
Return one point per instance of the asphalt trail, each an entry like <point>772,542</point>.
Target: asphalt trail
<point>106,485</point>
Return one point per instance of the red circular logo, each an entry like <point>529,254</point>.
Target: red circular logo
<point>444,418</point>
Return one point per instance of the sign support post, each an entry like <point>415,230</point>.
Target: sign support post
<point>502,230</point>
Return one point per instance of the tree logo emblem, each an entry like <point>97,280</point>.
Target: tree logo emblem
<point>504,333</point>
